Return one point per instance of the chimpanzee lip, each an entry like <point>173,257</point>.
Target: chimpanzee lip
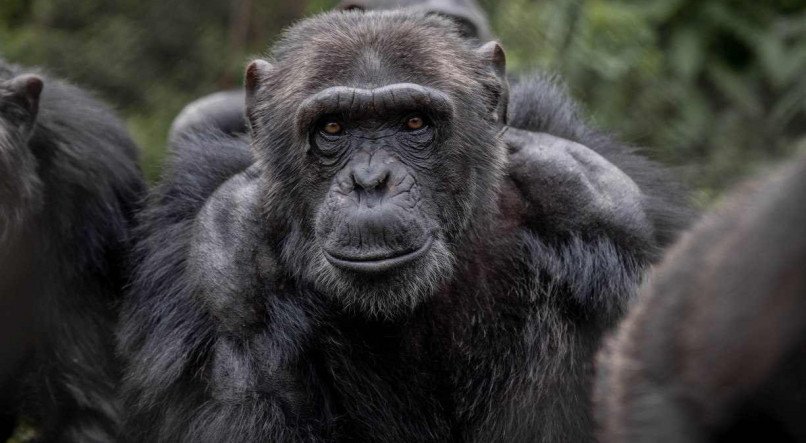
<point>375,265</point>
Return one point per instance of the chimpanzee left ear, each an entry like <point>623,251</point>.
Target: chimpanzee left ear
<point>256,74</point>
<point>26,88</point>
<point>493,54</point>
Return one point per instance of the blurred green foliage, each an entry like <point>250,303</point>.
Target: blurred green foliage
<point>716,87</point>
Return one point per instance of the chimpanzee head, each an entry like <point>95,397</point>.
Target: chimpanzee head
<point>19,104</point>
<point>19,184</point>
<point>378,138</point>
<point>466,15</point>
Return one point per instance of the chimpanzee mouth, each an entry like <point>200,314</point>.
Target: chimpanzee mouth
<point>376,264</point>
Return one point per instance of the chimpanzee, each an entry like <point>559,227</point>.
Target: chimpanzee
<point>69,186</point>
<point>221,110</point>
<point>383,258</point>
<point>716,348</point>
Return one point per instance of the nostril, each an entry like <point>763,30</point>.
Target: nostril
<point>370,178</point>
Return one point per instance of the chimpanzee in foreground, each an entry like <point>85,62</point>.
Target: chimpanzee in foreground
<point>716,348</point>
<point>389,261</point>
<point>69,185</point>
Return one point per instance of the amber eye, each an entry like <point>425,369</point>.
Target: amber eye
<point>332,128</point>
<point>415,122</point>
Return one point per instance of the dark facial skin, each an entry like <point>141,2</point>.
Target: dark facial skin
<point>386,181</point>
<point>374,144</point>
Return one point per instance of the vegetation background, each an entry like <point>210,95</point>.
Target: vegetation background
<point>715,87</point>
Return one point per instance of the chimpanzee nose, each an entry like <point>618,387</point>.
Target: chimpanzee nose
<point>371,177</point>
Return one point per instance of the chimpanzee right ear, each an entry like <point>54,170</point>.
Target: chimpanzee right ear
<point>26,89</point>
<point>493,55</point>
<point>256,74</point>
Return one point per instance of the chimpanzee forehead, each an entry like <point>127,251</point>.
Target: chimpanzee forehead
<point>370,67</point>
<point>375,49</point>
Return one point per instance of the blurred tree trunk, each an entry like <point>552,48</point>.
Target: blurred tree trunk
<point>240,24</point>
<point>273,17</point>
<point>252,25</point>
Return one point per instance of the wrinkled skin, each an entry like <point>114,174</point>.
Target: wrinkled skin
<point>386,260</point>
<point>379,214</point>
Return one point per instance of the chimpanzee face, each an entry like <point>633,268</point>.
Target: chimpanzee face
<point>389,157</point>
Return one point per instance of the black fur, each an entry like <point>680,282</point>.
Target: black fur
<point>69,185</point>
<point>235,326</point>
<point>736,368</point>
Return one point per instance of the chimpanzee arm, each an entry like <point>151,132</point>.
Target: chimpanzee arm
<point>597,214</point>
<point>204,364</point>
<point>573,190</point>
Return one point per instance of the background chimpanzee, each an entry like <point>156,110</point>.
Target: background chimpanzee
<point>224,109</point>
<point>470,19</point>
<point>716,348</point>
<point>69,183</point>
<point>390,261</point>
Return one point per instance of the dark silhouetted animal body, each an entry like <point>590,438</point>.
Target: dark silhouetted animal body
<point>69,184</point>
<point>716,348</point>
<point>389,261</point>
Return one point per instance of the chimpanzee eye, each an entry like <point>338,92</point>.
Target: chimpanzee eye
<point>415,122</point>
<point>332,127</point>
